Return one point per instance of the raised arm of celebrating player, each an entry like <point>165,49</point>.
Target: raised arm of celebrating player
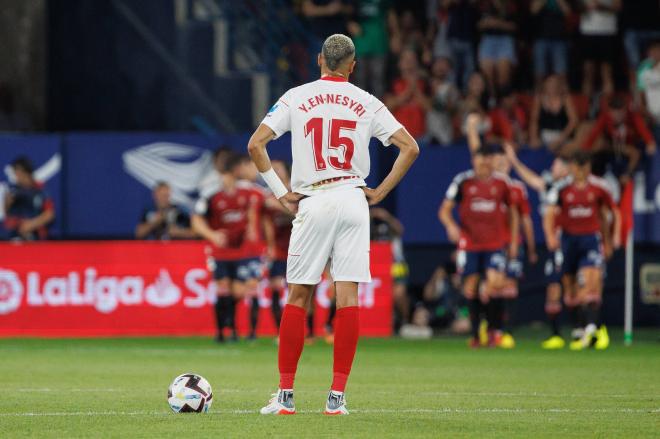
<point>408,152</point>
<point>472,130</point>
<point>533,180</point>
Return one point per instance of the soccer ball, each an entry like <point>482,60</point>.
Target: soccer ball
<point>190,393</point>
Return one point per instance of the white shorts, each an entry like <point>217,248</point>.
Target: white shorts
<point>330,226</point>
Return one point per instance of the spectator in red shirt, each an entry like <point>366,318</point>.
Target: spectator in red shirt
<point>509,119</point>
<point>408,99</point>
<point>621,130</point>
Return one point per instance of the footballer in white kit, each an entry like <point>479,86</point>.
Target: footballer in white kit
<point>331,123</point>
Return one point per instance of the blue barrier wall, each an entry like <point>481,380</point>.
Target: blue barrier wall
<point>103,182</point>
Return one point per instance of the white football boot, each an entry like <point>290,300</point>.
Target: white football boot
<point>281,403</point>
<point>336,404</point>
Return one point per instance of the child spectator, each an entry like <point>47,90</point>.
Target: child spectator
<point>497,48</point>
<point>553,118</point>
<point>549,29</point>
<point>444,101</point>
<point>598,30</point>
<point>408,99</point>
<point>461,33</point>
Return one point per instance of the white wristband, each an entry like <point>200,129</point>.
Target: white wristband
<point>274,183</point>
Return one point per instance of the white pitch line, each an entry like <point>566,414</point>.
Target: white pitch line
<point>377,392</point>
<point>46,389</point>
<point>539,395</point>
<point>447,410</point>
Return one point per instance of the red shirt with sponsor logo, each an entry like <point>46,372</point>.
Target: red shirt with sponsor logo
<point>258,196</point>
<point>520,201</point>
<point>580,204</point>
<point>479,203</point>
<point>227,211</point>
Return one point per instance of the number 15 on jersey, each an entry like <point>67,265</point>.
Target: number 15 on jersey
<point>340,147</point>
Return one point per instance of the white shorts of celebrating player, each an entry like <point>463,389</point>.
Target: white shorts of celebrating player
<point>332,225</point>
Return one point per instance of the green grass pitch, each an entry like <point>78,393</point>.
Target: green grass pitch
<point>439,388</point>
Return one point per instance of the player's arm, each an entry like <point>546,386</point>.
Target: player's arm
<point>391,220</point>
<point>143,229</point>
<point>549,220</point>
<point>528,230</point>
<point>605,231</point>
<point>472,130</point>
<point>514,223</point>
<point>41,220</point>
<point>408,152</point>
<point>534,180</point>
<point>257,150</point>
<point>200,225</point>
<point>181,229</point>
<point>447,219</point>
<point>269,234</point>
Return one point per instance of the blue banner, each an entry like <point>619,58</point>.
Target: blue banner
<point>100,183</point>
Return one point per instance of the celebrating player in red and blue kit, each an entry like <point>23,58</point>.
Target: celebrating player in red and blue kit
<point>514,265</point>
<point>553,301</point>
<point>228,221</point>
<point>263,243</point>
<point>479,194</point>
<point>583,204</point>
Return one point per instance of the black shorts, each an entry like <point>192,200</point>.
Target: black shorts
<point>599,48</point>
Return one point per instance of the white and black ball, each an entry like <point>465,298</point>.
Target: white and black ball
<point>190,393</point>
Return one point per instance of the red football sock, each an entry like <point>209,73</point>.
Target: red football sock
<point>292,339</point>
<point>347,328</point>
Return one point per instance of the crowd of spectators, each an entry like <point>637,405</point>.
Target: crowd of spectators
<point>541,72</point>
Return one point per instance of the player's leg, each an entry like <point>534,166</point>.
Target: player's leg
<point>494,287</point>
<point>312,238</point>
<point>223,296</point>
<point>346,338</point>
<point>349,266</point>
<point>590,286</point>
<point>277,285</point>
<point>276,295</point>
<point>514,272</point>
<point>552,311</point>
<point>590,301</point>
<point>553,300</point>
<point>467,266</point>
<point>292,337</point>
<point>250,272</point>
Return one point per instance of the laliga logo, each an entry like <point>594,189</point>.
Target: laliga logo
<point>11,292</point>
<point>103,293</point>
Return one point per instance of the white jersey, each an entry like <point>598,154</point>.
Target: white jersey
<point>331,123</point>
